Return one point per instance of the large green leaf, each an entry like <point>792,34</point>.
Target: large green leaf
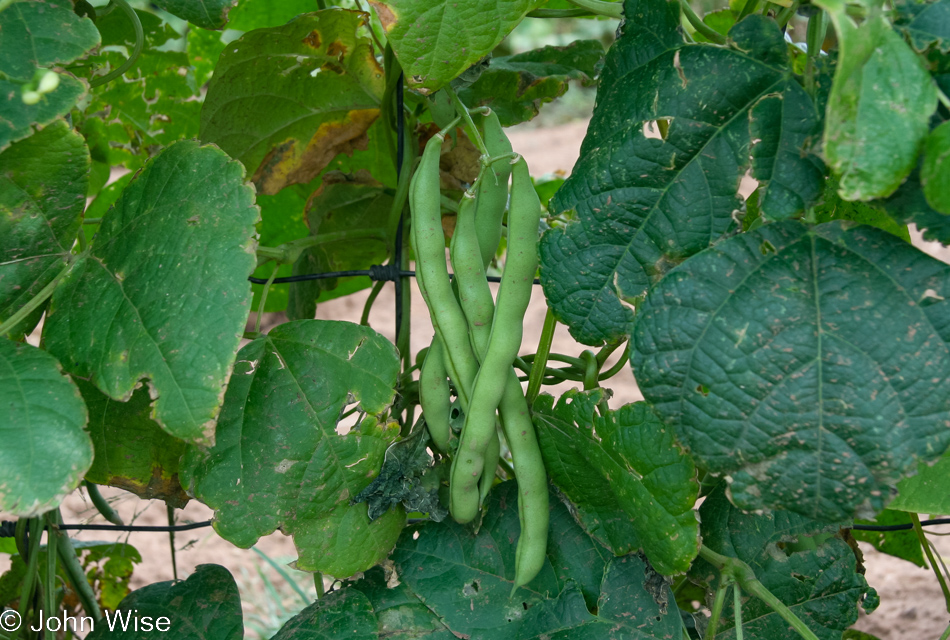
<point>901,544</point>
<point>832,207</point>
<point>45,450</point>
<point>206,606</point>
<point>812,365</point>
<point>42,194</point>
<point>258,14</point>
<point>277,435</point>
<point>132,451</point>
<point>630,482</point>
<point>878,109</point>
<point>436,40</point>
<point>155,103</point>
<point>162,294</point>
<point>345,613</point>
<point>208,14</point>
<point>927,25</point>
<point>37,35</point>
<point>286,100</point>
<point>935,169</point>
<point>465,579</point>
<point>399,612</point>
<point>644,204</point>
<point>17,118</point>
<point>516,86</point>
<point>813,573</point>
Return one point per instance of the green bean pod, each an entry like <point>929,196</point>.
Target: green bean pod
<point>532,481</point>
<point>493,198</point>
<point>503,345</point>
<point>434,396</point>
<point>473,291</point>
<point>431,270</point>
<point>492,455</point>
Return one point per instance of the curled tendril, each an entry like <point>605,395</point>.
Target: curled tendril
<point>136,50</point>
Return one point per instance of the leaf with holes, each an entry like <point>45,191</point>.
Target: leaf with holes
<point>287,100</point>
<point>811,570</point>
<point>205,606</point>
<point>45,448</point>
<point>436,41</point>
<point>162,293</point>
<point>40,35</point>
<point>132,451</point>
<point>43,183</point>
<point>632,485</point>
<point>207,14</point>
<point>812,365</point>
<point>278,435</point>
<point>516,86</point>
<point>644,204</point>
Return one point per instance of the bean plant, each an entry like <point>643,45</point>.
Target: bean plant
<point>737,230</point>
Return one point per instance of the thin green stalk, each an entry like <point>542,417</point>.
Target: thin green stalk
<point>786,14</point>
<point>101,505</point>
<point>463,112</point>
<point>591,369</point>
<point>286,576</point>
<point>449,203</point>
<point>92,220</point>
<point>748,8</point>
<point>946,634</point>
<point>289,252</point>
<point>541,357</point>
<point>33,304</point>
<point>718,603</point>
<point>614,370</point>
<point>601,8</point>
<point>507,468</point>
<point>32,528</point>
<point>711,34</point>
<point>604,353</point>
<point>49,581</point>
<point>560,13</point>
<point>737,607</point>
<point>318,585</point>
<point>930,557</point>
<point>75,574</point>
<point>81,237</point>
<point>260,307</point>
<point>364,318</point>
<point>558,357</point>
<point>136,49</point>
<point>170,513</point>
<point>742,573</point>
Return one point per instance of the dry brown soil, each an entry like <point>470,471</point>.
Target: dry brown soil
<point>911,602</point>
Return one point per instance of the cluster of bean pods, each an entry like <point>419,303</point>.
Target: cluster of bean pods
<point>477,338</point>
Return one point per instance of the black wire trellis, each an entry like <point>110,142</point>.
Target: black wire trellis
<point>7,527</point>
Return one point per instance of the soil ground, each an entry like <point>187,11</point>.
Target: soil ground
<point>912,605</point>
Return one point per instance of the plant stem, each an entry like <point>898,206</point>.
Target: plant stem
<point>28,528</point>
<point>560,13</point>
<point>742,573</point>
<point>101,505</point>
<point>711,34</point>
<point>737,608</point>
<point>92,221</point>
<point>718,603</point>
<point>614,370</point>
<point>814,38</point>
<point>289,252</point>
<point>136,49</point>
<point>786,14</point>
<point>33,304</point>
<point>170,512</point>
<point>318,585</point>
<point>930,557</point>
<point>591,370</point>
<point>286,576</point>
<point>749,7</point>
<point>541,358</point>
<point>260,307</point>
<point>946,634</point>
<point>601,8</point>
<point>467,120</point>
<point>49,581</point>
<point>75,573</point>
<point>364,318</point>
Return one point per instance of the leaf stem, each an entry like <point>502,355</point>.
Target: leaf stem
<point>786,14</point>
<point>260,307</point>
<point>318,585</point>
<point>718,603</point>
<point>92,220</point>
<point>601,8</point>
<point>560,13</point>
<point>536,376</point>
<point>10,323</point>
<point>737,608</point>
<point>930,557</point>
<point>814,38</point>
<point>467,119</point>
<point>614,370</point>
<point>742,573</point>
<point>748,8</point>
<point>946,634</point>
<point>136,49</point>
<point>364,318</point>
<point>711,34</point>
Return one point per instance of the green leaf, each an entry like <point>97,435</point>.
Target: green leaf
<point>278,434</point>
<point>132,451</point>
<point>815,575</point>
<point>162,294</point>
<point>206,606</point>
<point>45,449</point>
<point>900,544</point>
<point>643,204</point>
<point>36,35</point>
<point>345,613</point>
<point>109,565</point>
<point>207,14</point>
<point>927,26</point>
<point>466,578</point>
<point>908,205</point>
<point>516,86</point>
<point>812,365</point>
<point>42,194</point>
<point>878,110</point>
<point>155,103</point>
<point>935,171</point>
<point>19,118</point>
<point>833,207</point>
<point>259,14</point>
<point>925,492</point>
<point>435,41</point>
<point>631,484</point>
<point>400,614</point>
<point>286,100</point>
<point>721,21</point>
